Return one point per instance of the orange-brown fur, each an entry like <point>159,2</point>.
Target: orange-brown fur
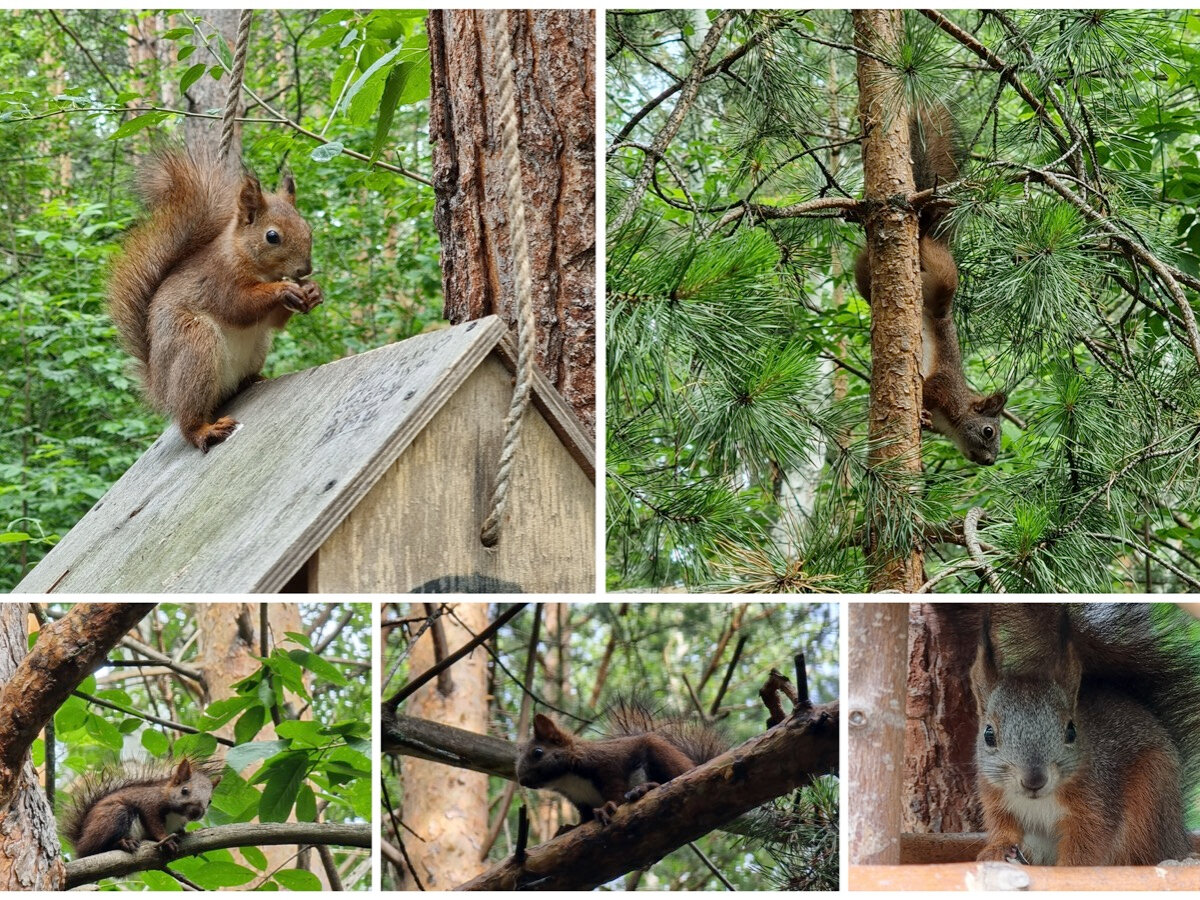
<point>200,285</point>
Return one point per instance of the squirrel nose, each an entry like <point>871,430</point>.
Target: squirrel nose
<point>303,270</point>
<point>1033,780</point>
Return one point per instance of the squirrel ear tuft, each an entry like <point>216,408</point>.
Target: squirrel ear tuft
<point>545,729</point>
<point>991,405</point>
<point>287,187</point>
<point>183,772</point>
<point>250,200</point>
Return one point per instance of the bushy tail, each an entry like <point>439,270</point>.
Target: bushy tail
<point>189,202</point>
<point>633,714</point>
<point>937,151</point>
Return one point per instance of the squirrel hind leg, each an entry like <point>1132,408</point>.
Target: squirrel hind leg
<point>205,435</point>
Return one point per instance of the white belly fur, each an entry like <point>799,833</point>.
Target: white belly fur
<point>242,353</point>
<point>926,348</point>
<point>577,790</point>
<point>1040,820</point>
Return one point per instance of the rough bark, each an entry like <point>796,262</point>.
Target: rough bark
<point>685,808</point>
<point>878,638</point>
<point>895,406</point>
<point>446,807</point>
<point>939,754</point>
<point>33,685</point>
<point>554,57</point>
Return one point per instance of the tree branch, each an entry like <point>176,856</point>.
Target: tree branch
<point>683,809</point>
<point>117,863</point>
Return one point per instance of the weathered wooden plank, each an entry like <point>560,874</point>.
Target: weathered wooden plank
<point>248,514</point>
<point>418,528</point>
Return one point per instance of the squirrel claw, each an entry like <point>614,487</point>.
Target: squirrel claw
<point>640,791</point>
<point>926,418</point>
<point>170,843</point>
<point>129,845</point>
<point>605,813</point>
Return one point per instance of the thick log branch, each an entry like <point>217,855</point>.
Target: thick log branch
<point>408,736</point>
<point>66,653</point>
<point>683,809</point>
<point>117,863</point>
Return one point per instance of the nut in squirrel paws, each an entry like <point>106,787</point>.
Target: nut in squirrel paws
<point>302,296</point>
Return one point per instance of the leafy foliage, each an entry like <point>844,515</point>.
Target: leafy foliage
<point>738,352</point>
<point>324,758</point>
<point>71,127</point>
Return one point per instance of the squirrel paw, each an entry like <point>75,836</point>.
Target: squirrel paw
<point>210,435</point>
<point>640,791</point>
<point>129,845</point>
<point>170,843</point>
<point>926,418</point>
<point>1010,853</point>
<point>605,813</point>
<point>301,297</point>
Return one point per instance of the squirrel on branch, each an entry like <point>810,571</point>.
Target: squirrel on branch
<point>1088,748</point>
<point>200,285</point>
<point>117,809</point>
<point>949,405</point>
<point>643,748</point>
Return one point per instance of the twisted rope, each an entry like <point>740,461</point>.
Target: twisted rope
<point>229,119</point>
<point>500,39</point>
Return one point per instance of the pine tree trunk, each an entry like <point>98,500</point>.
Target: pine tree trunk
<point>554,55</point>
<point>447,807</point>
<point>894,427</point>
<point>939,754</point>
<point>30,858</point>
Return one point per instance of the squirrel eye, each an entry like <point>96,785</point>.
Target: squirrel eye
<point>273,236</point>
<point>537,752</point>
<point>988,431</point>
<point>989,736</point>
<point>1070,732</point>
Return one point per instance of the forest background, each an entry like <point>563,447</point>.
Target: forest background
<point>705,661</point>
<point>739,452</point>
<point>81,90</point>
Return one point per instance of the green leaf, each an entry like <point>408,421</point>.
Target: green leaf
<point>298,880</point>
<point>160,881</point>
<point>140,123</point>
<point>283,784</point>
<point>223,874</point>
<point>300,638</point>
<point>326,152</point>
<point>317,666</point>
<point>392,89</point>
<point>306,804</point>
<point>175,34</point>
<point>255,857</point>
<point>191,76</point>
<point>249,724</point>
<point>311,733</point>
<point>238,758</point>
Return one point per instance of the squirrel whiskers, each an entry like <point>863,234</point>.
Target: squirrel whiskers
<point>118,808</point>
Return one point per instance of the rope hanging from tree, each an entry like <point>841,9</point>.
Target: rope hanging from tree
<point>229,119</point>
<point>500,39</point>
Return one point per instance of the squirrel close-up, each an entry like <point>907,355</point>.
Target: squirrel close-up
<point>1088,748</point>
<point>201,284</point>
<point>118,809</point>
<point>642,749</point>
<point>949,405</point>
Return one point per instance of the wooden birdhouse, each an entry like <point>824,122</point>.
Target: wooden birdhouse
<point>373,473</point>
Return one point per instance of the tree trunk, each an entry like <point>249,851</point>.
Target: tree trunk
<point>446,807</point>
<point>878,640</point>
<point>203,136</point>
<point>553,54</point>
<point>30,859</point>
<point>939,755</point>
<point>894,428</point>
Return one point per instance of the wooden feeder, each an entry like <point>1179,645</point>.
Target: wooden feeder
<point>373,473</point>
<point>882,857</point>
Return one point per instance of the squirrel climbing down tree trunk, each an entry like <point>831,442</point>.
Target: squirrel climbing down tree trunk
<point>949,405</point>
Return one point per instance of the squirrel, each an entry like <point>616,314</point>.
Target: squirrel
<point>949,406</point>
<point>643,749</point>
<point>199,286</point>
<point>1088,746</point>
<point>118,809</point>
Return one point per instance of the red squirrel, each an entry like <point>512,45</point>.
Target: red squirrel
<point>118,809</point>
<point>644,750</point>
<point>1089,732</point>
<point>949,405</point>
<point>201,284</point>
